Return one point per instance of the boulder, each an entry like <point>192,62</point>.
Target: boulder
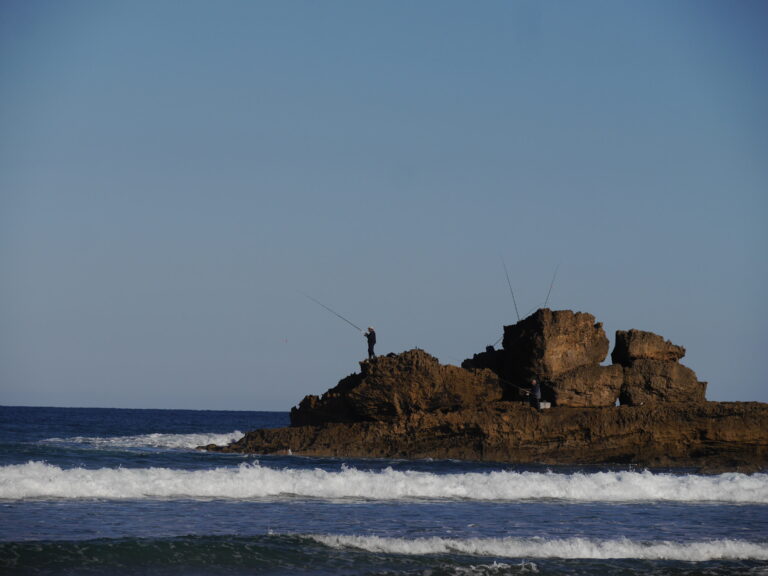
<point>585,386</point>
<point>649,381</point>
<point>634,345</point>
<point>549,343</point>
<point>388,388</point>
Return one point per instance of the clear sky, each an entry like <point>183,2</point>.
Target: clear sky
<point>174,174</point>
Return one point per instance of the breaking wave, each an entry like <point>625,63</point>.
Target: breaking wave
<point>331,554</point>
<point>569,548</point>
<point>253,481</point>
<point>156,440</point>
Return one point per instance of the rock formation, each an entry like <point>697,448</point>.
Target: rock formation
<point>564,351</point>
<point>395,386</point>
<point>409,405</point>
<point>548,344</point>
<point>652,372</point>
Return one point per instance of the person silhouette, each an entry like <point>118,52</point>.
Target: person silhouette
<point>370,335</point>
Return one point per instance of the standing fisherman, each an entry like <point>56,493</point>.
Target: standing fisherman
<point>371,337</point>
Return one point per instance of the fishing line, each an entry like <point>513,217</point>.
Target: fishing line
<point>509,283</point>
<point>332,311</point>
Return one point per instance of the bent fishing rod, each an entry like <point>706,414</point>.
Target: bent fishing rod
<point>332,311</point>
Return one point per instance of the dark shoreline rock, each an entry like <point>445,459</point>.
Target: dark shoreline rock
<point>710,437</point>
<point>408,405</point>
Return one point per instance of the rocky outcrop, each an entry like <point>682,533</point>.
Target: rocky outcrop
<point>652,372</point>
<point>388,388</point>
<point>562,350</point>
<point>410,406</point>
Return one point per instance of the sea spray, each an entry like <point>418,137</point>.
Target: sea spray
<point>253,481</point>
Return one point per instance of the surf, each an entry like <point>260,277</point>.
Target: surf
<point>568,548</point>
<point>40,480</point>
<point>153,440</point>
<point>253,551</point>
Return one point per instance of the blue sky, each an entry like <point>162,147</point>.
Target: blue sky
<point>174,174</point>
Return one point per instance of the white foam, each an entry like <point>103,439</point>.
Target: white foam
<point>495,568</point>
<point>570,548</point>
<point>248,481</point>
<point>156,440</point>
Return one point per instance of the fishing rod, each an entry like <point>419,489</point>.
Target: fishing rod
<point>551,284</point>
<point>514,301</point>
<point>509,283</point>
<point>332,311</point>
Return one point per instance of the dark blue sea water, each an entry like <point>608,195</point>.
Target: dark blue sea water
<point>104,491</point>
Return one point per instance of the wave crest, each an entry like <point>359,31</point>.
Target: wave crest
<point>252,481</point>
<point>569,548</point>
<point>155,440</point>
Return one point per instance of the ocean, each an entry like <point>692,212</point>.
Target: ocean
<point>108,491</point>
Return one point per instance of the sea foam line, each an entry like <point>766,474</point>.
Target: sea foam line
<point>155,440</point>
<point>569,548</point>
<point>248,481</point>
